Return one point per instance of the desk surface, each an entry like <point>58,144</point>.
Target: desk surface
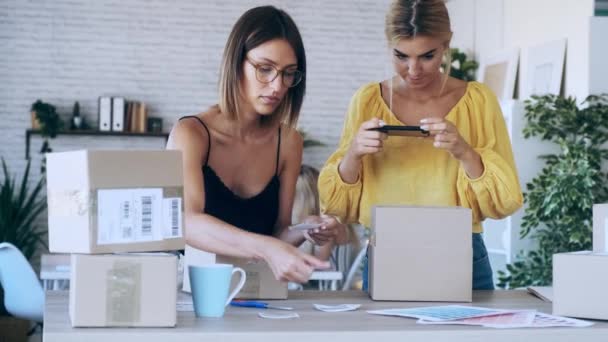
<point>243,324</point>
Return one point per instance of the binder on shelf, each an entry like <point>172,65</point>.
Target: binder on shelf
<point>118,114</point>
<point>128,115</point>
<point>105,113</point>
<point>134,117</point>
<point>142,118</point>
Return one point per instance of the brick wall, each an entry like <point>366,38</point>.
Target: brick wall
<point>167,54</point>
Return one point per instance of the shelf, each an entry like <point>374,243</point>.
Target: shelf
<point>30,132</point>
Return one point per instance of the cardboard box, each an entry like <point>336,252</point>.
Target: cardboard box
<point>580,285</point>
<point>115,201</point>
<point>123,290</point>
<point>421,254</point>
<point>260,282</point>
<point>600,228</point>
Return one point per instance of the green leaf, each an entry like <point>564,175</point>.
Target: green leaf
<point>560,198</point>
<point>19,210</point>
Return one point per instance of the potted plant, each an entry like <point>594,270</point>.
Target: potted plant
<point>309,142</point>
<point>20,207</point>
<point>462,68</point>
<point>561,197</point>
<point>49,124</point>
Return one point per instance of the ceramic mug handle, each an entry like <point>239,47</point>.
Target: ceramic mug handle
<point>239,286</point>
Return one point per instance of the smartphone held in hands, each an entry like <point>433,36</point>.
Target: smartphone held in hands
<point>305,226</point>
<point>407,131</point>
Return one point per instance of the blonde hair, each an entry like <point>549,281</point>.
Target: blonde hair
<point>255,27</point>
<point>306,199</point>
<point>407,19</point>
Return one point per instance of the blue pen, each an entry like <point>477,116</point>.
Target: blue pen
<point>256,304</point>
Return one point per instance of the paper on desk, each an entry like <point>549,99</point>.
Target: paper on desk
<point>442,313</point>
<point>287,315</point>
<point>543,320</point>
<point>337,308</point>
<point>520,319</point>
<point>545,293</point>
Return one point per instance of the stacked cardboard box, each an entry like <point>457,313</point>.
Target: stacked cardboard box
<point>102,202</point>
<point>580,279</point>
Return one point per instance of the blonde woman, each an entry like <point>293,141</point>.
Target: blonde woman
<point>242,157</point>
<point>306,208</point>
<point>467,160</point>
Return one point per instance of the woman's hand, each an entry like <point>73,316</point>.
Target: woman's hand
<point>330,230</point>
<point>364,142</point>
<point>367,141</point>
<point>288,263</point>
<point>446,136</point>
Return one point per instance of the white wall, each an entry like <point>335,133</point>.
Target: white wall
<point>529,23</point>
<point>506,24</point>
<point>598,55</point>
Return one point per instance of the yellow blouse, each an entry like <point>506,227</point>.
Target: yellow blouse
<point>410,171</point>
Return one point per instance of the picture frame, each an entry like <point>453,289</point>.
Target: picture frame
<point>544,69</point>
<point>499,72</point>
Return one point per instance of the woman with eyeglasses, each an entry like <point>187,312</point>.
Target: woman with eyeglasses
<point>465,161</point>
<point>242,157</point>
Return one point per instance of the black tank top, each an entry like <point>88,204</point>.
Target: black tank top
<point>256,214</point>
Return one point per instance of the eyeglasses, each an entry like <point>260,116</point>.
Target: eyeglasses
<point>267,73</point>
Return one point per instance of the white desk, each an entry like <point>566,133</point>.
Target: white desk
<point>243,324</point>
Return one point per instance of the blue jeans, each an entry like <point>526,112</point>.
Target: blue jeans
<point>482,270</point>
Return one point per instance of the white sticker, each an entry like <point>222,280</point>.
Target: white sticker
<point>288,315</point>
<point>172,217</point>
<point>337,308</point>
<point>129,215</point>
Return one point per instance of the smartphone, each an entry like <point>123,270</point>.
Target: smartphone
<point>406,131</point>
<point>305,226</point>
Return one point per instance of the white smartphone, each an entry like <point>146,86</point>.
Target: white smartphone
<point>305,226</point>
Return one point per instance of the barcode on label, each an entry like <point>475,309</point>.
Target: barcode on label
<point>175,217</point>
<point>126,206</point>
<point>146,215</point>
<point>127,231</point>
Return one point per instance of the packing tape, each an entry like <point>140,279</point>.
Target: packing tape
<point>68,203</point>
<point>123,293</point>
<point>251,288</point>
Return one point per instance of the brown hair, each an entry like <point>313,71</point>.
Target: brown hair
<point>255,27</point>
<point>410,18</point>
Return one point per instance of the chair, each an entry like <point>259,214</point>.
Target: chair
<point>354,267</point>
<point>23,294</point>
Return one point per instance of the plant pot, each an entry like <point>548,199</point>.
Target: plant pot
<point>13,329</point>
<point>35,121</point>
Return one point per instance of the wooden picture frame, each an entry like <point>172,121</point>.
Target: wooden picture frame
<point>499,72</point>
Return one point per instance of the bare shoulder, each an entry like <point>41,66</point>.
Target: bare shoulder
<point>189,132</point>
<point>290,136</point>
